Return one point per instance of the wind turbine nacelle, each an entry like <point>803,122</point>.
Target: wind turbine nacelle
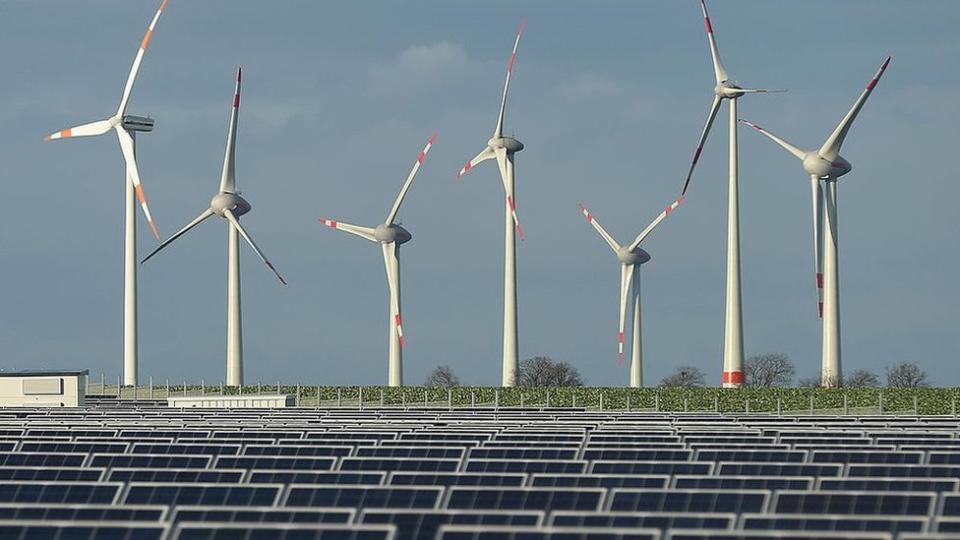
<point>391,233</point>
<point>727,90</point>
<point>814,164</point>
<point>229,201</point>
<point>137,123</point>
<point>637,256</point>
<point>509,143</point>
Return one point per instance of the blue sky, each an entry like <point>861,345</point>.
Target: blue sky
<point>608,97</point>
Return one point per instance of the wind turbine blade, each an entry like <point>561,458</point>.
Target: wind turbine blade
<point>603,232</point>
<point>714,108</point>
<point>126,145</point>
<point>831,148</point>
<point>656,221</point>
<point>484,155</point>
<point>132,77</point>
<point>498,132</point>
<point>626,278</point>
<point>761,90</point>
<point>718,71</point>
<point>236,223</point>
<point>93,128</point>
<point>203,216</point>
<point>816,192</point>
<point>389,262</point>
<point>362,232</point>
<point>406,185</point>
<point>800,154</point>
<point>502,161</point>
<point>228,183</point>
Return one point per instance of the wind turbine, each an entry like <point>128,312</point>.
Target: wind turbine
<point>631,257</point>
<point>503,149</point>
<point>390,236</point>
<point>126,127</point>
<point>229,205</point>
<point>725,89</point>
<point>826,165</point>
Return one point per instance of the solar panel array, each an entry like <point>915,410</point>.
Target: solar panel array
<point>140,471</point>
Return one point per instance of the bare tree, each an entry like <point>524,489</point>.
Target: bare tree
<point>809,382</point>
<point>684,377</point>
<point>545,371</point>
<point>442,376</point>
<point>906,375</point>
<point>861,378</point>
<point>768,370</point>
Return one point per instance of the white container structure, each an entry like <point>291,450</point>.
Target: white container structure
<point>67,388</point>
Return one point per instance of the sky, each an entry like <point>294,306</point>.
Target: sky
<point>609,98</point>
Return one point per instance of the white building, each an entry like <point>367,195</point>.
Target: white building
<point>66,388</point>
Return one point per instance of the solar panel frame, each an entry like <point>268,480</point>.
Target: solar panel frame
<point>780,498</point>
<point>624,519</point>
<point>761,500</point>
<point>468,532</point>
<point>186,530</point>
<point>23,491</point>
<point>456,497</point>
<point>751,521</point>
<point>154,490</point>
<point>296,491</point>
<point>181,513</point>
<point>135,530</point>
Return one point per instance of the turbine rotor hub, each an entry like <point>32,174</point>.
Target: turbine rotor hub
<point>637,256</point>
<point>392,233</point>
<point>229,201</point>
<point>727,90</point>
<point>815,164</point>
<point>509,143</point>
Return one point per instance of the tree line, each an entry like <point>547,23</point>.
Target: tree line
<point>766,370</point>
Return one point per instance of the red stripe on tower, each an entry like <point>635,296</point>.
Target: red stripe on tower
<point>733,377</point>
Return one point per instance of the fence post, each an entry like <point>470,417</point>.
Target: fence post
<point>360,399</point>
<point>278,386</point>
<point>811,403</point>
<point>521,399</point>
<point>746,405</point>
<point>339,396</point>
<point>203,388</point>
<point>184,387</point>
<point>259,387</point>
<point>298,394</point>
<point>548,399</point>
<point>601,400</point>
<point>119,390</point>
<point>424,399</point>
<point>779,406</point>
<point>473,399</point>
<point>403,400</point>
<point>103,388</point>
<point>318,398</point>
<point>686,405</point>
<point>151,387</point>
<point>880,401</point>
<point>628,402</point>
<point>381,397</point>
<point>449,399</point>
<point>953,406</point>
<point>916,408</point>
<point>656,401</point>
<point>168,388</point>
<point>574,400</point>
<point>496,399</point>
<point>716,403</point>
<point>846,405</point>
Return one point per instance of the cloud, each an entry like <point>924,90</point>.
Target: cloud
<point>588,86</point>
<point>430,57</point>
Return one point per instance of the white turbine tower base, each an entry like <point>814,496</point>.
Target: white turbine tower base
<point>725,89</point>
<point>390,235</point>
<point>126,126</point>
<point>631,257</point>
<point>826,165</point>
<point>228,204</point>
<point>503,150</point>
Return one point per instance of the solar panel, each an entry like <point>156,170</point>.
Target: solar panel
<point>546,499</point>
<point>634,454</point>
<point>649,520</point>
<point>523,453</point>
<point>58,474</point>
<point>889,484</point>
<point>521,466</point>
<point>190,476</point>
<point>478,532</point>
<point>802,522</point>
<point>676,500</point>
<point>250,531</point>
<point>36,530</point>
<point>363,496</point>
<point>456,479</point>
<point>296,450</point>
<point>30,459</point>
<point>203,494</point>
<point>399,464</point>
<point>254,514</point>
<point>410,452</point>
<point>651,467</point>
<point>950,458</point>
<point>867,457</point>
<point>946,525</point>
<point>900,471</point>
<point>691,534</point>
<point>84,512</point>
<point>279,463</point>
<point>837,502</point>
<point>412,524</point>
<point>192,449</point>
<point>150,461</point>
<point>315,477</point>
<point>743,482</point>
<point>72,447</point>
<point>779,469</point>
<point>599,480</point>
<point>763,456</point>
<point>59,492</point>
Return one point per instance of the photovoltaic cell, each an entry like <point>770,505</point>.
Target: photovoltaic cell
<point>222,514</point>
<point>599,480</point>
<point>687,500</point>
<point>58,492</point>
<point>399,464</point>
<point>456,479</point>
<point>203,494</point>
<point>521,466</point>
<point>324,531</point>
<point>80,530</point>
<point>546,499</point>
<point>278,463</point>
<point>363,496</point>
<point>316,477</point>
<point>836,502</point>
<point>833,523</point>
<point>650,520</point>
